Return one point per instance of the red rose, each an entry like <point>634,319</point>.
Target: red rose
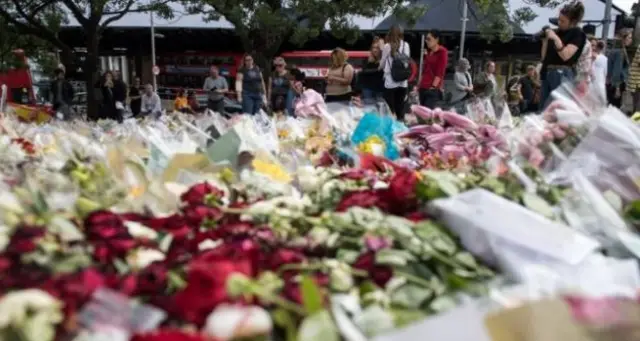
<point>125,285</point>
<point>379,274</point>
<point>24,240</point>
<point>75,289</point>
<point>195,215</point>
<point>402,185</point>
<point>152,279</point>
<point>197,194</point>
<point>101,225</point>
<point>285,256</point>
<point>171,335</point>
<point>366,199</point>
<point>416,216</point>
<point>206,288</point>
<point>355,174</point>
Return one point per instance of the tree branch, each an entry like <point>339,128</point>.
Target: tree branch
<point>34,28</point>
<point>139,9</point>
<point>117,17</point>
<point>77,12</point>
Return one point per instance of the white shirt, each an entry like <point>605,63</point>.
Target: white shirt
<point>599,70</point>
<point>151,104</point>
<point>386,62</point>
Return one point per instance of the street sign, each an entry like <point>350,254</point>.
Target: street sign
<point>155,70</point>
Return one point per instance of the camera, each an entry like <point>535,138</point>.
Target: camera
<point>543,32</point>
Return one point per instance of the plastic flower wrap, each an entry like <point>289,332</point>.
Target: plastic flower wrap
<point>612,146</point>
<point>382,128</point>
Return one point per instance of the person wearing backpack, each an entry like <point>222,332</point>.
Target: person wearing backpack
<point>340,76</point>
<point>433,70</point>
<point>396,66</point>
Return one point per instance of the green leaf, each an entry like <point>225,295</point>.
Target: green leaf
<point>71,263</point>
<point>311,295</point>
<point>318,327</point>
<point>466,259</point>
<point>537,204</point>
<point>175,281</point>
<point>437,239</point>
<point>284,320</point>
<point>632,212</point>
<point>442,303</point>
<point>394,257</point>
<point>410,296</point>
<point>404,317</point>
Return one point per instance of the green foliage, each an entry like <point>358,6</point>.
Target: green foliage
<point>499,20</point>
<point>263,25</point>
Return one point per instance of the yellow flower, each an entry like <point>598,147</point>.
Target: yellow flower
<point>283,133</point>
<point>273,171</point>
<point>372,145</point>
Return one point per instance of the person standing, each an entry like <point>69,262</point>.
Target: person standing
<point>599,67</point>
<point>433,71</point>
<point>107,108</point>
<point>62,93</point>
<point>618,69</point>
<point>216,87</point>
<point>395,50</point>
<point>561,49</point>
<point>250,86</point>
<point>530,89</point>
<point>279,86</point>
<point>151,103</point>
<point>463,86</point>
<point>486,83</point>
<point>339,77</point>
<point>119,91</point>
<point>370,78</point>
<point>135,93</point>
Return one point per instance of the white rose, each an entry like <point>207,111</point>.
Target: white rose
<point>141,258</point>
<point>229,322</point>
<point>17,306</point>
<point>138,230</point>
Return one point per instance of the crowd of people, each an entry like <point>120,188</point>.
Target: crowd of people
<point>566,53</point>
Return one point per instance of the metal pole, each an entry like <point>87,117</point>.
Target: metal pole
<point>463,29</point>
<point>607,20</point>
<point>153,50</point>
<point>421,59</point>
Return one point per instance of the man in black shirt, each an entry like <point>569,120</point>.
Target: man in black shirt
<point>528,87</point>
<point>561,49</point>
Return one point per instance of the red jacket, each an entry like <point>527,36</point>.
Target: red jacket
<point>435,65</point>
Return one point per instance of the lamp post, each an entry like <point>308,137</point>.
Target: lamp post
<point>606,21</point>
<point>153,50</point>
<point>463,29</point>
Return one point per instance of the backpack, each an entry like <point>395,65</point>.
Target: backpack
<point>583,65</point>
<point>400,66</point>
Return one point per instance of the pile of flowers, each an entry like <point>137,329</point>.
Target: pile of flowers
<point>293,230</point>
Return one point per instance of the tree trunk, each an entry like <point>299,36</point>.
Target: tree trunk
<point>90,70</point>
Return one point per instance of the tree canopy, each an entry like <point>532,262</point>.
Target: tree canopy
<point>42,19</point>
<point>264,25</point>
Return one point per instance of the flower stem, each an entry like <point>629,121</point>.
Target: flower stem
<point>279,301</point>
<point>413,278</point>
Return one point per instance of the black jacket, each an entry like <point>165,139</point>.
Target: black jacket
<point>370,77</point>
<point>67,93</point>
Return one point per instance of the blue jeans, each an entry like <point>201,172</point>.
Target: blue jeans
<point>251,102</point>
<point>290,97</point>
<point>370,94</point>
<point>554,77</point>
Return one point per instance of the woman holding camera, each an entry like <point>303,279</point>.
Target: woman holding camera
<point>561,49</point>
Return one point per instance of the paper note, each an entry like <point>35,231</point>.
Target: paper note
<point>226,148</point>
